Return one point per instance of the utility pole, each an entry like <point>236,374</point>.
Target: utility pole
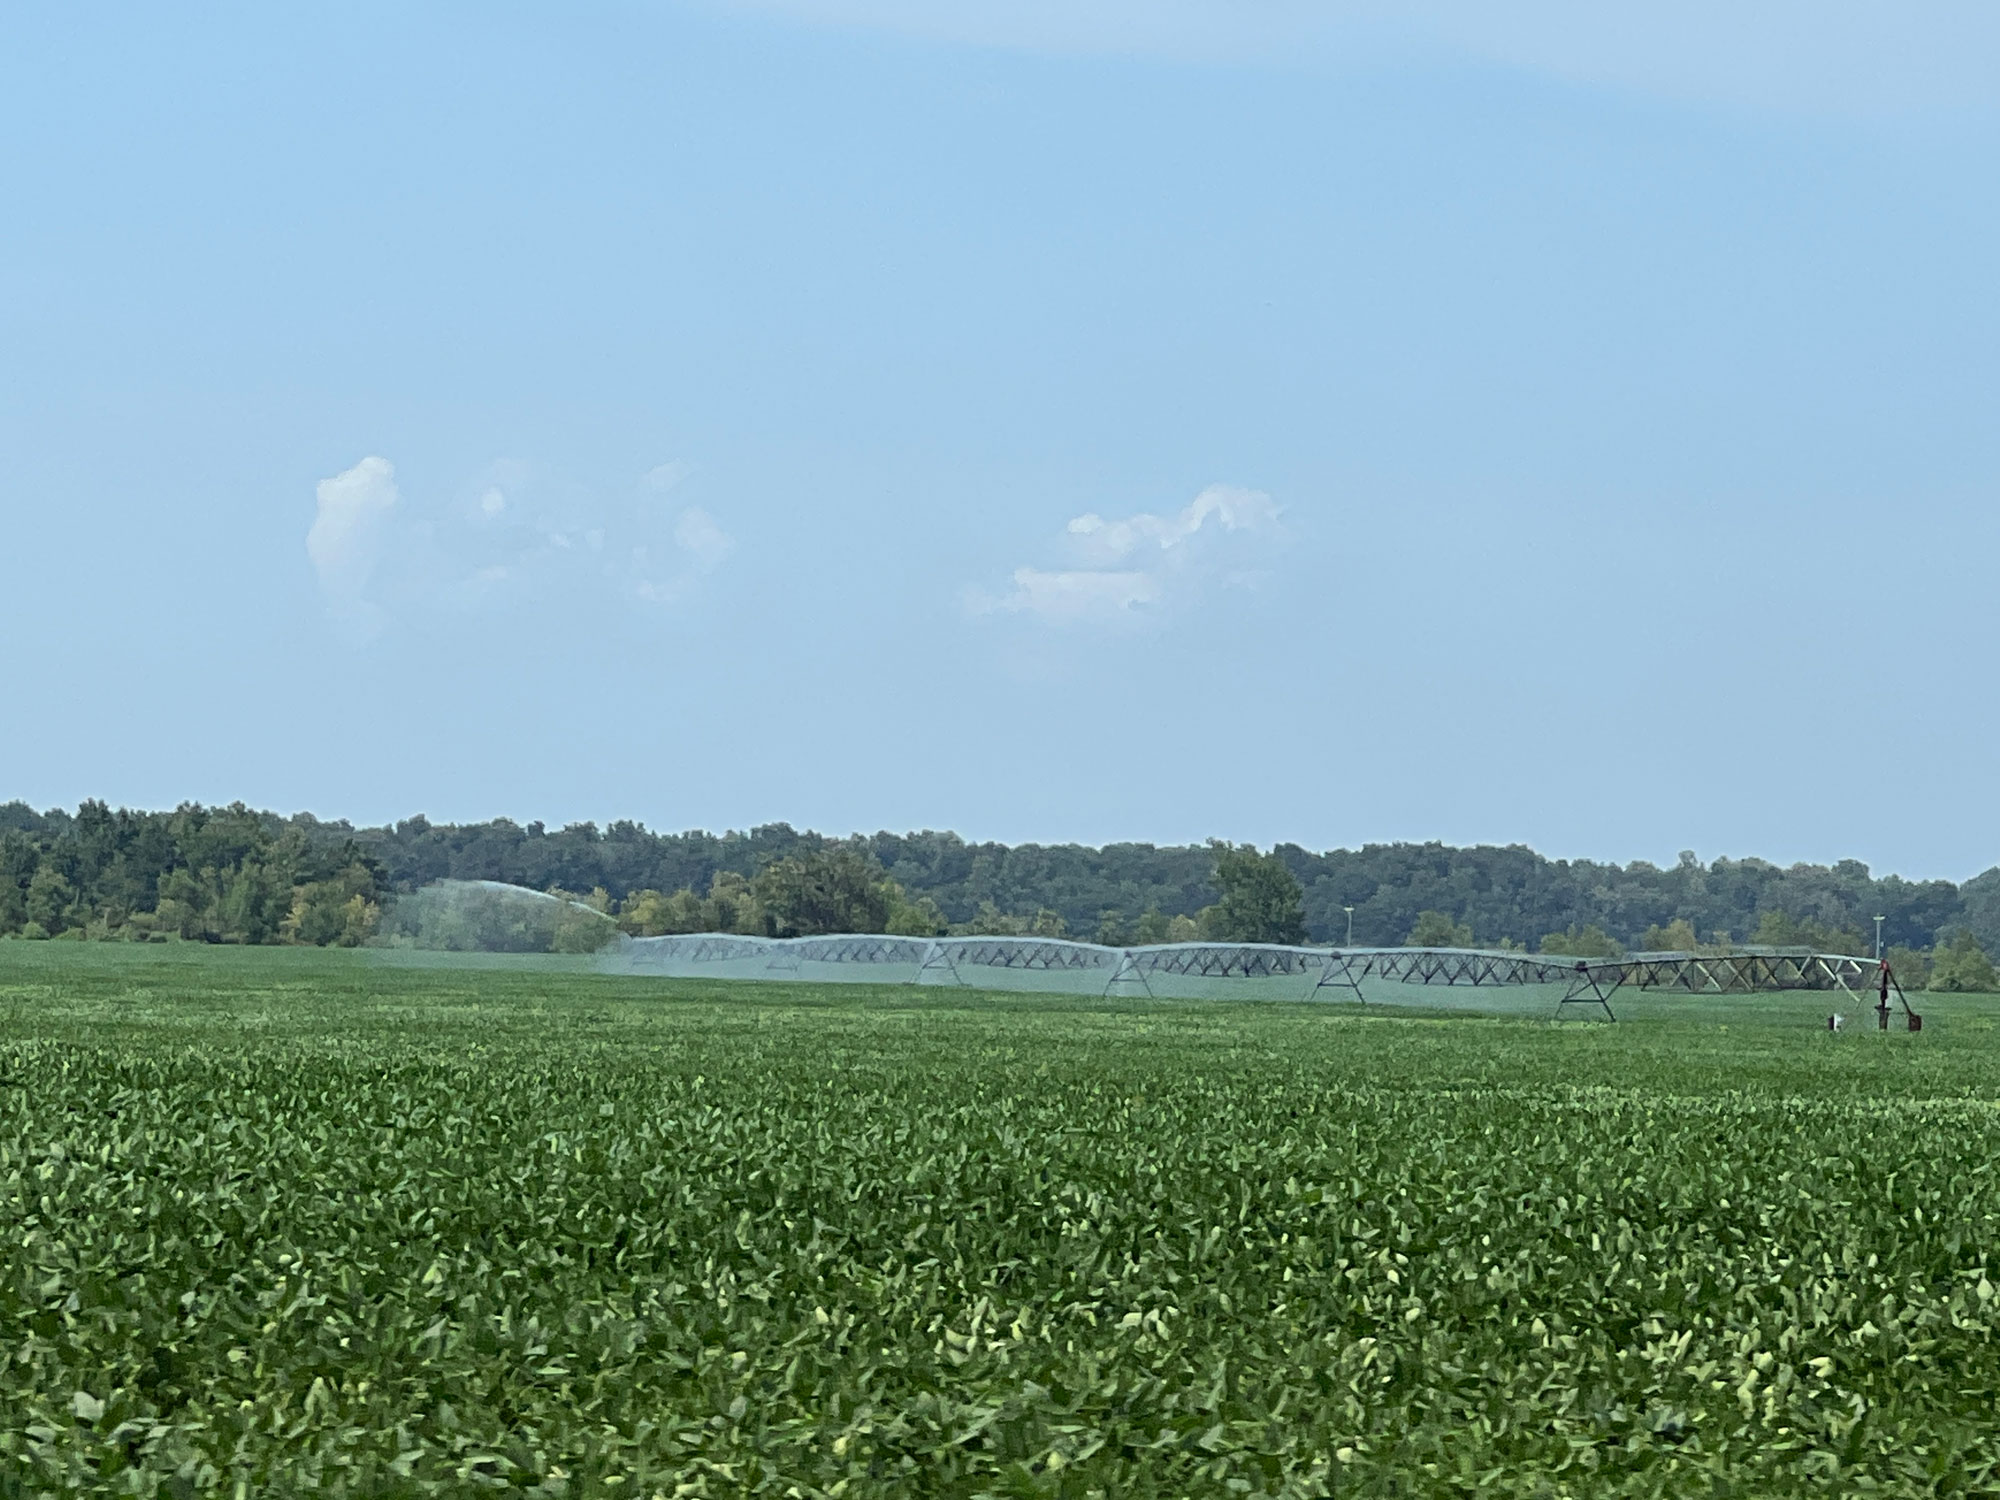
<point>1350,926</point>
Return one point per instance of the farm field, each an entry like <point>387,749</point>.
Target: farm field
<point>293,1220</point>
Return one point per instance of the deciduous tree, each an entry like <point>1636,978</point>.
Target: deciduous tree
<point>1262,901</point>
<point>1437,929</point>
<point>1962,965</point>
<point>833,889</point>
<point>1589,941</point>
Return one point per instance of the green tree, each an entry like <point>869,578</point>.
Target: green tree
<point>1437,929</point>
<point>651,913</point>
<point>643,913</point>
<point>581,928</point>
<point>732,906</point>
<point>49,898</point>
<point>359,918</point>
<point>989,921</point>
<point>1961,965</point>
<point>832,889</point>
<point>1978,908</point>
<point>1262,900</point>
<point>254,902</point>
<point>1911,966</point>
<point>183,897</point>
<point>914,916</point>
<point>1152,928</point>
<point>1676,937</point>
<point>19,859</point>
<point>1583,942</point>
<point>1781,929</point>
<point>1113,931</point>
<point>340,911</point>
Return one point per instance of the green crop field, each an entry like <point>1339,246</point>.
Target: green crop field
<point>294,1221</point>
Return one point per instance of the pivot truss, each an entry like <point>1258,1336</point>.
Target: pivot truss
<point>1454,966</point>
<point>1592,981</point>
<point>1587,982</point>
<point>1754,969</point>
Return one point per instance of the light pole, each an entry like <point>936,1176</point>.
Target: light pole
<point>1878,939</point>
<point>1350,925</point>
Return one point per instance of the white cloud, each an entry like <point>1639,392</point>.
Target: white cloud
<point>696,534</point>
<point>347,535</point>
<point>1082,594</point>
<point>665,476</point>
<point>515,540</point>
<point>1231,507</point>
<point>699,545</point>
<point>1130,567</point>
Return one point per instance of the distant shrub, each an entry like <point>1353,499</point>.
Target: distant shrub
<point>1583,942</point>
<point>1961,965</point>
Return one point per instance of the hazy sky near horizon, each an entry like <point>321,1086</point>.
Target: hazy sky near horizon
<point>1086,421</point>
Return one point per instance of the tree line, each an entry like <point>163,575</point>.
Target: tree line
<point>233,874</point>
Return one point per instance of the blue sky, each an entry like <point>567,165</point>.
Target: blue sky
<point>1054,422</point>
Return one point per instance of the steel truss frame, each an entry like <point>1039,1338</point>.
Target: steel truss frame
<point>1753,969</point>
<point>1345,968</point>
<point>1589,983</point>
<point>1137,966</point>
<point>856,948</point>
<point>1748,971</point>
<point>694,948</point>
<point>1024,954</point>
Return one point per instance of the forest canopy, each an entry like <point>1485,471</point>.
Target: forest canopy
<point>232,874</point>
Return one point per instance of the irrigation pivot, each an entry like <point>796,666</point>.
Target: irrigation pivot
<point>1232,968</point>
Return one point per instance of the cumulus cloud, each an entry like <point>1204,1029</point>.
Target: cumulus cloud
<point>699,546</point>
<point>1080,594</point>
<point>663,477</point>
<point>348,533</point>
<point>513,539</point>
<point>1129,567</point>
<point>1232,508</point>
<point>696,534</point>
